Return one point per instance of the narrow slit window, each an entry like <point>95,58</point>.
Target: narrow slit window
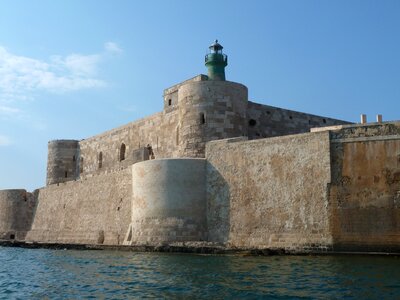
<point>202,118</point>
<point>122,152</point>
<point>169,102</point>
<point>100,160</point>
<point>66,174</point>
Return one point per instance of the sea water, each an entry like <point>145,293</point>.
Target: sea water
<point>72,274</point>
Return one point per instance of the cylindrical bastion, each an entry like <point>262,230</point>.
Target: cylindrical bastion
<point>168,201</point>
<point>62,161</point>
<point>210,110</point>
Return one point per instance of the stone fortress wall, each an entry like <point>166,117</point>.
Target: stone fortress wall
<point>214,167</point>
<point>319,191</point>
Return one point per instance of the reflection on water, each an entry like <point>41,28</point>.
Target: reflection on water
<point>41,273</point>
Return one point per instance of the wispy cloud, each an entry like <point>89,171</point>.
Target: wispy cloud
<point>4,141</point>
<point>112,48</point>
<point>21,76</point>
<point>5,110</point>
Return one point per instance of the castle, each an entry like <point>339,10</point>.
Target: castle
<point>214,167</point>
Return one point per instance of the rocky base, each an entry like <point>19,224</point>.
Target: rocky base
<point>185,247</point>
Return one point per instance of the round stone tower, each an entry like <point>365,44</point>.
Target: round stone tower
<point>216,62</point>
<point>62,161</point>
<point>210,110</point>
<point>168,201</point>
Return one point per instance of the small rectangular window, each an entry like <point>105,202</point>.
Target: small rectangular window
<point>202,118</point>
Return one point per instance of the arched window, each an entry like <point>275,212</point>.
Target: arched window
<point>100,160</point>
<point>122,152</point>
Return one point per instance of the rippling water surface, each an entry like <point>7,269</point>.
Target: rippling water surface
<point>70,274</point>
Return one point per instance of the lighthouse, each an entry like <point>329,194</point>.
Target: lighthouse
<point>216,62</point>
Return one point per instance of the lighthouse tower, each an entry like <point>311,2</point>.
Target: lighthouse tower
<point>210,109</point>
<point>216,62</point>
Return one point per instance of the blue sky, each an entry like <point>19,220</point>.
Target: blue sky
<point>72,69</point>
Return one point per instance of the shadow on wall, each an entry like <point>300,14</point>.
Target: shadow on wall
<point>218,205</point>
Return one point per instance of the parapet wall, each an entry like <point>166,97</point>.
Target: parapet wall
<point>168,202</point>
<point>94,210</point>
<point>270,193</point>
<point>269,121</point>
<point>17,209</point>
